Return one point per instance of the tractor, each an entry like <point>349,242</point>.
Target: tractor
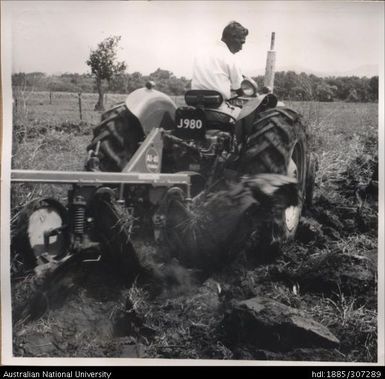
<point>192,178</point>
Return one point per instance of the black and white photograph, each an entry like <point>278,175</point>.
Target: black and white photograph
<point>192,182</point>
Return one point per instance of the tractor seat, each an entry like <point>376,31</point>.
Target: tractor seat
<point>203,98</point>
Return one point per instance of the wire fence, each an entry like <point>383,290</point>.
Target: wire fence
<point>79,106</point>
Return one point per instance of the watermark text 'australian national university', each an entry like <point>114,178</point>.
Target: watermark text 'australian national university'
<point>57,374</point>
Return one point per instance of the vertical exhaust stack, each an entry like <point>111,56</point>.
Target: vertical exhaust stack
<point>270,65</point>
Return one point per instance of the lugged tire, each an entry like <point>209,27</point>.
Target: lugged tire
<point>275,137</point>
<point>120,134</point>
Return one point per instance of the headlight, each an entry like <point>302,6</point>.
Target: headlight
<point>249,87</point>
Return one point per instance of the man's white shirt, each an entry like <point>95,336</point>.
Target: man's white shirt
<point>217,69</point>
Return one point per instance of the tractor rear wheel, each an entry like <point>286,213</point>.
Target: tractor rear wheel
<point>118,137</point>
<point>277,143</point>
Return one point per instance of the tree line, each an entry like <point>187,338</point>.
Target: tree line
<point>165,81</point>
<point>109,74</point>
<point>288,85</point>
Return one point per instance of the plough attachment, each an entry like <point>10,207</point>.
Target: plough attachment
<point>97,219</point>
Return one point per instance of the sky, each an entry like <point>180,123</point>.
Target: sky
<point>323,37</point>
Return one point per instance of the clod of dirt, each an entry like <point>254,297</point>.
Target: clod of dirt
<point>367,219</point>
<point>268,324</point>
<point>202,234</point>
<point>211,232</point>
<point>329,219</point>
<point>309,230</point>
<point>329,272</point>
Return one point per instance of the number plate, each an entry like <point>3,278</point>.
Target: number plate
<point>190,123</point>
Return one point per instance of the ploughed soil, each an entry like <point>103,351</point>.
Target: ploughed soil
<point>329,272</point>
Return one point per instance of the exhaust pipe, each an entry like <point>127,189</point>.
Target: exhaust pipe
<point>270,65</point>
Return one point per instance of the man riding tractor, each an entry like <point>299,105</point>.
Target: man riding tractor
<point>218,68</point>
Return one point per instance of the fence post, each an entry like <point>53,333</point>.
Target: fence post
<point>50,97</point>
<point>80,105</point>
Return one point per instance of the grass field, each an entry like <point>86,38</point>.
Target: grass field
<point>338,128</point>
<point>344,137</point>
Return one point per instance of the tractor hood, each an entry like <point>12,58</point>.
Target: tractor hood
<point>152,108</point>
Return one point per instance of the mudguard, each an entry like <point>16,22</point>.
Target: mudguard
<point>152,108</point>
<point>265,101</point>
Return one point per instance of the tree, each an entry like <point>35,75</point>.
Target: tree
<point>161,78</point>
<point>136,80</point>
<point>325,92</point>
<point>104,65</point>
<point>353,96</point>
<point>118,83</point>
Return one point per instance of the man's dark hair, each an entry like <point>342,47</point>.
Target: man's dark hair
<point>233,29</point>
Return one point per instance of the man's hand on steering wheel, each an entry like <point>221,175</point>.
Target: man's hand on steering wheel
<point>236,93</point>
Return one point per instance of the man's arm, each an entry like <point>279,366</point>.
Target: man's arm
<point>236,77</point>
